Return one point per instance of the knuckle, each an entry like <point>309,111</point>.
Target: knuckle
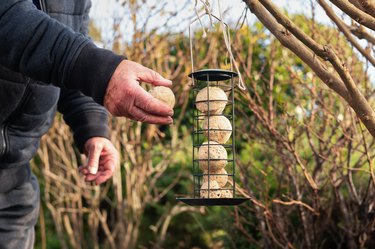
<point>149,103</point>
<point>138,115</point>
<point>143,118</point>
<point>129,92</point>
<point>134,113</point>
<point>98,146</point>
<point>154,75</point>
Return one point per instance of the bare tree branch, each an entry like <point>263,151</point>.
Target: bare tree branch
<point>344,87</point>
<point>361,33</point>
<point>357,15</point>
<point>341,25</point>
<point>368,6</point>
<point>357,4</point>
<point>297,47</point>
<point>294,202</point>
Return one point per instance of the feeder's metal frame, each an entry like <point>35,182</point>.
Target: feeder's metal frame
<point>209,76</point>
<point>197,131</point>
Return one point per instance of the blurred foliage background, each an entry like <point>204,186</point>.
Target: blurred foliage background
<point>302,154</point>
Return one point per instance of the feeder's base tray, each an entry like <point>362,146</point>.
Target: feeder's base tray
<point>213,201</point>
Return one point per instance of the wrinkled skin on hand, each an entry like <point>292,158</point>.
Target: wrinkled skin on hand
<point>125,97</point>
<point>102,158</point>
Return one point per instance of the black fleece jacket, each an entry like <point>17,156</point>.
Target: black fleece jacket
<point>35,50</point>
<point>30,38</point>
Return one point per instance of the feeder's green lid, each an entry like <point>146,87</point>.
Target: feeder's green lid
<point>213,75</point>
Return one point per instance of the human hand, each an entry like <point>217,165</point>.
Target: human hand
<point>102,158</point>
<point>125,97</point>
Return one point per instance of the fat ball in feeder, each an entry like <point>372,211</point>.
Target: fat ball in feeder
<point>217,128</point>
<point>220,176</point>
<point>212,100</point>
<point>212,156</point>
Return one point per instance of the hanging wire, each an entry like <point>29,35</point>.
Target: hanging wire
<point>199,18</point>
<point>191,36</point>
<point>226,37</point>
<point>243,16</point>
<point>241,84</point>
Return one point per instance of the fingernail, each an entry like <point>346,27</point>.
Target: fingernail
<point>93,170</point>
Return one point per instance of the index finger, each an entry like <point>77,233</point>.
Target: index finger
<point>93,158</point>
<point>150,76</point>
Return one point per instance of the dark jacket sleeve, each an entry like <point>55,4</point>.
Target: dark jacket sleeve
<point>85,117</point>
<point>34,44</point>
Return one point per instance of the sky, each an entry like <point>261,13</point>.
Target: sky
<point>104,12</point>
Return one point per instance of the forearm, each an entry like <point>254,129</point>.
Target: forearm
<point>85,117</point>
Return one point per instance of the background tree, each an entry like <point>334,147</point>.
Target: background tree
<point>321,56</point>
<point>306,160</point>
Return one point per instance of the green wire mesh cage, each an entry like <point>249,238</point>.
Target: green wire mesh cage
<point>214,131</point>
<point>213,139</point>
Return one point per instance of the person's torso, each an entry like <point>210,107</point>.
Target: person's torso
<point>26,112</point>
<point>72,13</point>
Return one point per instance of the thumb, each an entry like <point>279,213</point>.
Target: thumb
<point>93,158</point>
